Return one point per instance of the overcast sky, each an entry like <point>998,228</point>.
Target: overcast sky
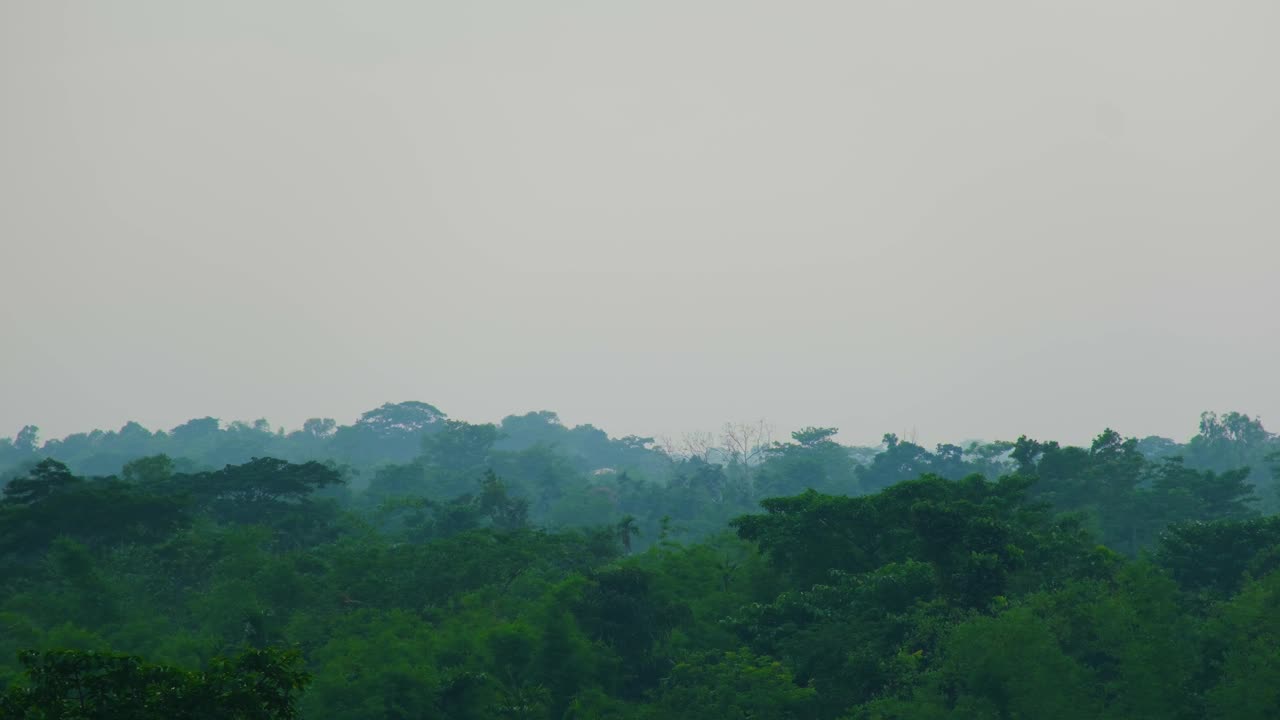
<point>974,219</point>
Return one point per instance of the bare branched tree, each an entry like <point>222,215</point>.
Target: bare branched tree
<point>746,444</point>
<point>700,444</point>
<point>667,446</point>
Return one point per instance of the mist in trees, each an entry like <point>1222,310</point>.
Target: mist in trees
<point>415,565</point>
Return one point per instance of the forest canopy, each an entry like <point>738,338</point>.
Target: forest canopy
<point>413,565</point>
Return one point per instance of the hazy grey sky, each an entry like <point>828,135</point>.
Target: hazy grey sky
<point>977,219</point>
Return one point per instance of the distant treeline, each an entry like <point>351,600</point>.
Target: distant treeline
<point>1127,489</point>
<point>392,433</point>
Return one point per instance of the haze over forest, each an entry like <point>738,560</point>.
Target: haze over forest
<point>697,360</point>
<point>413,565</point>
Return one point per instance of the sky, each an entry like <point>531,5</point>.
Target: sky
<point>949,220</point>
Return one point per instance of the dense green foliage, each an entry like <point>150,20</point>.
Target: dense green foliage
<point>87,685</point>
<point>415,566</point>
